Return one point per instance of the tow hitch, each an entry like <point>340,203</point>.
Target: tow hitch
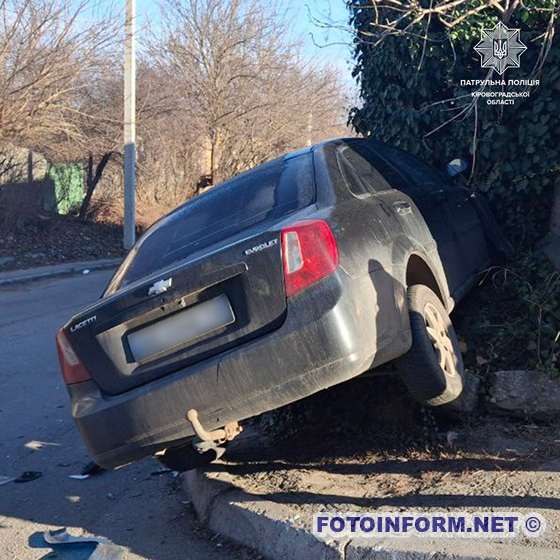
<point>205,447</point>
<point>216,437</point>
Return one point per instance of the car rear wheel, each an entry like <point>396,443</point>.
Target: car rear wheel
<point>433,369</point>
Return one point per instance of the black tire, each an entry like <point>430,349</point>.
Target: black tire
<point>420,369</point>
<point>186,458</point>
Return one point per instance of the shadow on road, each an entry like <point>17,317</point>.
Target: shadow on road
<point>130,507</point>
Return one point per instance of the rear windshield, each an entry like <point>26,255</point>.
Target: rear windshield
<point>265,193</point>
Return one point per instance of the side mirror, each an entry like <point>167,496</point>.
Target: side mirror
<point>457,166</point>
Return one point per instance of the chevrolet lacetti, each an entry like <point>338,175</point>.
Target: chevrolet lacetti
<point>297,275</point>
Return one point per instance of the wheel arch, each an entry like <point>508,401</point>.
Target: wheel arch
<point>418,271</point>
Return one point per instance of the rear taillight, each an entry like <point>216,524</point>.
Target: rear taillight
<point>73,370</point>
<point>309,254</point>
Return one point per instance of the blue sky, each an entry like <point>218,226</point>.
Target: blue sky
<point>318,22</point>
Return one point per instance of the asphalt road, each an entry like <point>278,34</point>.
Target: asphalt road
<point>147,514</point>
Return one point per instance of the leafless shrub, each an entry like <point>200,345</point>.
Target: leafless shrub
<point>237,92</point>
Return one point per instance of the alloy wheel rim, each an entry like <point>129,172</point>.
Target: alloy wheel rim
<point>438,333</point>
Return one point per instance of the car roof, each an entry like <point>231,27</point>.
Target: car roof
<point>346,140</point>
<point>322,144</point>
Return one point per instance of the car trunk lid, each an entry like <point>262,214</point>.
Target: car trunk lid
<point>189,312</point>
<point>202,279</point>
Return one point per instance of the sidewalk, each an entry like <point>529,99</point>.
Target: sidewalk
<point>363,457</point>
<point>279,530</point>
<point>17,276</point>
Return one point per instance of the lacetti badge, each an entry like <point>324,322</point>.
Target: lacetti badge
<point>500,48</point>
<point>83,323</point>
<point>160,287</point>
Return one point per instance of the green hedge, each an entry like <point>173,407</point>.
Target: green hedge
<point>404,97</point>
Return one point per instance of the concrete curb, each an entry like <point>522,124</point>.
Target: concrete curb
<point>262,525</point>
<point>38,273</point>
<point>276,532</point>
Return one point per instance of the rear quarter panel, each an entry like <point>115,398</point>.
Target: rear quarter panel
<point>375,246</point>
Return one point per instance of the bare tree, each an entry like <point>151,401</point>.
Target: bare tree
<point>239,86</point>
<point>219,90</point>
<point>98,123</point>
<point>47,56</point>
<point>399,17</point>
<point>53,65</point>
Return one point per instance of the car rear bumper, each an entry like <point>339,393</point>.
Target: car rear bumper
<point>326,338</point>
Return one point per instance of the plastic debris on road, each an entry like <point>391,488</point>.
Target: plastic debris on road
<point>104,548</point>
<point>28,476</point>
<point>160,472</point>
<point>173,473</point>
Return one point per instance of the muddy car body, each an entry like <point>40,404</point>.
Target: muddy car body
<point>283,281</point>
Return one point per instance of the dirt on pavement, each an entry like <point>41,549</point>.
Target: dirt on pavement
<point>364,446</point>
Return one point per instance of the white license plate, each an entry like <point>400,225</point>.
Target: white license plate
<point>181,328</point>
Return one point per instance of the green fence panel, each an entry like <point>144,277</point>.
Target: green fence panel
<point>69,186</point>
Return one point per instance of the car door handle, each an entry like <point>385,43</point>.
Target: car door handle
<point>402,207</point>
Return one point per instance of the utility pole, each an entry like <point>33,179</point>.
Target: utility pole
<point>129,231</point>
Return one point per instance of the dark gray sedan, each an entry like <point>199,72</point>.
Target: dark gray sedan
<point>297,275</point>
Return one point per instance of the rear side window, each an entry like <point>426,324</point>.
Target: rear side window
<point>389,173</point>
<point>361,177</point>
<point>263,194</point>
<point>421,174</point>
